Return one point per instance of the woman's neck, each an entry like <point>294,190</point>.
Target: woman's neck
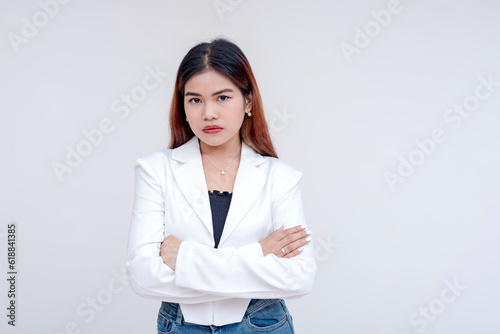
<point>227,151</point>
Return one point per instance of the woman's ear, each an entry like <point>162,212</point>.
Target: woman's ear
<point>248,102</point>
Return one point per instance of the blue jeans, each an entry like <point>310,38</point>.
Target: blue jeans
<point>262,315</point>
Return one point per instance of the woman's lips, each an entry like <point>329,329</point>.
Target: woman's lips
<point>212,129</point>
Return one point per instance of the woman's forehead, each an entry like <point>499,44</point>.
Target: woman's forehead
<point>209,82</point>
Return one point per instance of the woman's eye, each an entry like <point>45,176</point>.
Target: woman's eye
<point>195,100</point>
<point>224,98</point>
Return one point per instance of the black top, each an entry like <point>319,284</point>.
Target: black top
<point>219,203</point>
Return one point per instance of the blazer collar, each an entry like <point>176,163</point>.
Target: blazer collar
<point>190,177</point>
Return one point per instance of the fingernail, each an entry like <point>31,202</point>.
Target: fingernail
<point>308,239</point>
<point>304,226</point>
<point>301,249</point>
<point>309,232</point>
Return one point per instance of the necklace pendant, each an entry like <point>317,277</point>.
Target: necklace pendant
<point>222,172</point>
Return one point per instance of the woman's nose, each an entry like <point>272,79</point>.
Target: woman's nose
<point>210,111</point>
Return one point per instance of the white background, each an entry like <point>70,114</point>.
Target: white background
<point>384,253</point>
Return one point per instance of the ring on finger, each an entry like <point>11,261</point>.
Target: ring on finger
<point>283,250</point>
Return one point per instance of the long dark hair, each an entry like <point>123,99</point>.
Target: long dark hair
<point>227,59</point>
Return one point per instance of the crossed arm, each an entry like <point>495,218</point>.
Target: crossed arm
<point>285,243</point>
<point>189,272</point>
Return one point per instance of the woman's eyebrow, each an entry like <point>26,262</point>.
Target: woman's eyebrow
<point>216,93</point>
<point>223,91</point>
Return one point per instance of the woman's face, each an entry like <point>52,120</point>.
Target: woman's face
<point>211,99</point>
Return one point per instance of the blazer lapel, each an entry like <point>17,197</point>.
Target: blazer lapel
<point>190,177</point>
<point>247,186</point>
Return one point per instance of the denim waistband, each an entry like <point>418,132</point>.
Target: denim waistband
<point>257,304</point>
<point>173,310</point>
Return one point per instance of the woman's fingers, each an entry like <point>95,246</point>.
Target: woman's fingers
<point>289,239</point>
<point>295,247</point>
<point>169,249</point>
<point>290,231</point>
<point>293,235</point>
<point>279,233</point>
<point>293,239</point>
<point>292,254</point>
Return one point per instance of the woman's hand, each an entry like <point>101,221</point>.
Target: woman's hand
<point>169,249</point>
<point>286,243</point>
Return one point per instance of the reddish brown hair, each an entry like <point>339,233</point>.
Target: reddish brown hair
<point>227,59</point>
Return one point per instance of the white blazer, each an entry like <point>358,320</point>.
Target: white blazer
<point>214,286</point>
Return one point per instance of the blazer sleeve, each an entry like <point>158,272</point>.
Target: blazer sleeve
<point>148,275</point>
<point>245,272</point>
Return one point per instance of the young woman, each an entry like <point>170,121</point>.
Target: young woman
<point>218,232</point>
